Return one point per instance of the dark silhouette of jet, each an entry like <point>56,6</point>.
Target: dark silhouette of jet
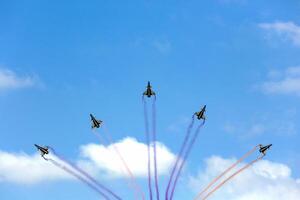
<point>263,149</point>
<point>95,123</point>
<point>149,92</point>
<point>201,113</point>
<point>42,150</point>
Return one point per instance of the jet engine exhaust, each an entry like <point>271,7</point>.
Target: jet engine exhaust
<point>86,175</point>
<point>80,178</point>
<point>154,147</point>
<point>148,149</point>
<point>187,136</point>
<point>232,176</point>
<point>117,151</point>
<point>246,155</point>
<point>189,148</point>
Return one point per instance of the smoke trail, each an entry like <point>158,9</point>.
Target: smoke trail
<point>86,175</point>
<point>104,142</point>
<point>232,176</point>
<point>189,148</point>
<point>148,148</point>
<point>117,151</point>
<point>225,172</point>
<point>187,136</point>
<point>78,177</point>
<point>154,147</point>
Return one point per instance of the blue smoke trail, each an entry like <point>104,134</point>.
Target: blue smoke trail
<point>78,177</point>
<point>86,175</point>
<point>148,148</point>
<point>187,136</point>
<point>186,156</point>
<point>154,147</point>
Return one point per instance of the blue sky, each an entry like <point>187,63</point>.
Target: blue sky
<point>60,61</point>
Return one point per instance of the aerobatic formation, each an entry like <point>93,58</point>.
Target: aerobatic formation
<point>192,133</point>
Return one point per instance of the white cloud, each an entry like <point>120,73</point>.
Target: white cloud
<point>10,80</point>
<point>96,159</point>
<point>265,180</point>
<point>286,82</point>
<point>287,30</point>
<point>104,158</point>
<point>27,169</point>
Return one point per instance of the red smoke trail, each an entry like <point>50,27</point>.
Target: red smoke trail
<point>148,149</point>
<point>187,136</point>
<point>189,148</point>
<point>154,148</point>
<point>232,176</point>
<point>78,177</point>
<point>86,175</point>
<point>246,155</point>
<point>117,151</point>
<point>102,141</point>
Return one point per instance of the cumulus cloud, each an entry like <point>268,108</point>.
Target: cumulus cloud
<point>285,82</point>
<point>10,80</point>
<point>27,169</point>
<point>96,159</point>
<point>265,180</point>
<point>287,30</point>
<point>104,159</point>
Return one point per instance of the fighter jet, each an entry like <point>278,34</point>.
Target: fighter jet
<point>200,114</point>
<point>95,123</point>
<point>149,92</point>
<point>43,150</point>
<point>263,149</point>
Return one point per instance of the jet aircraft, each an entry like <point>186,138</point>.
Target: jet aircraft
<point>149,92</point>
<point>95,123</point>
<point>263,149</point>
<point>42,150</point>
<point>201,113</point>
